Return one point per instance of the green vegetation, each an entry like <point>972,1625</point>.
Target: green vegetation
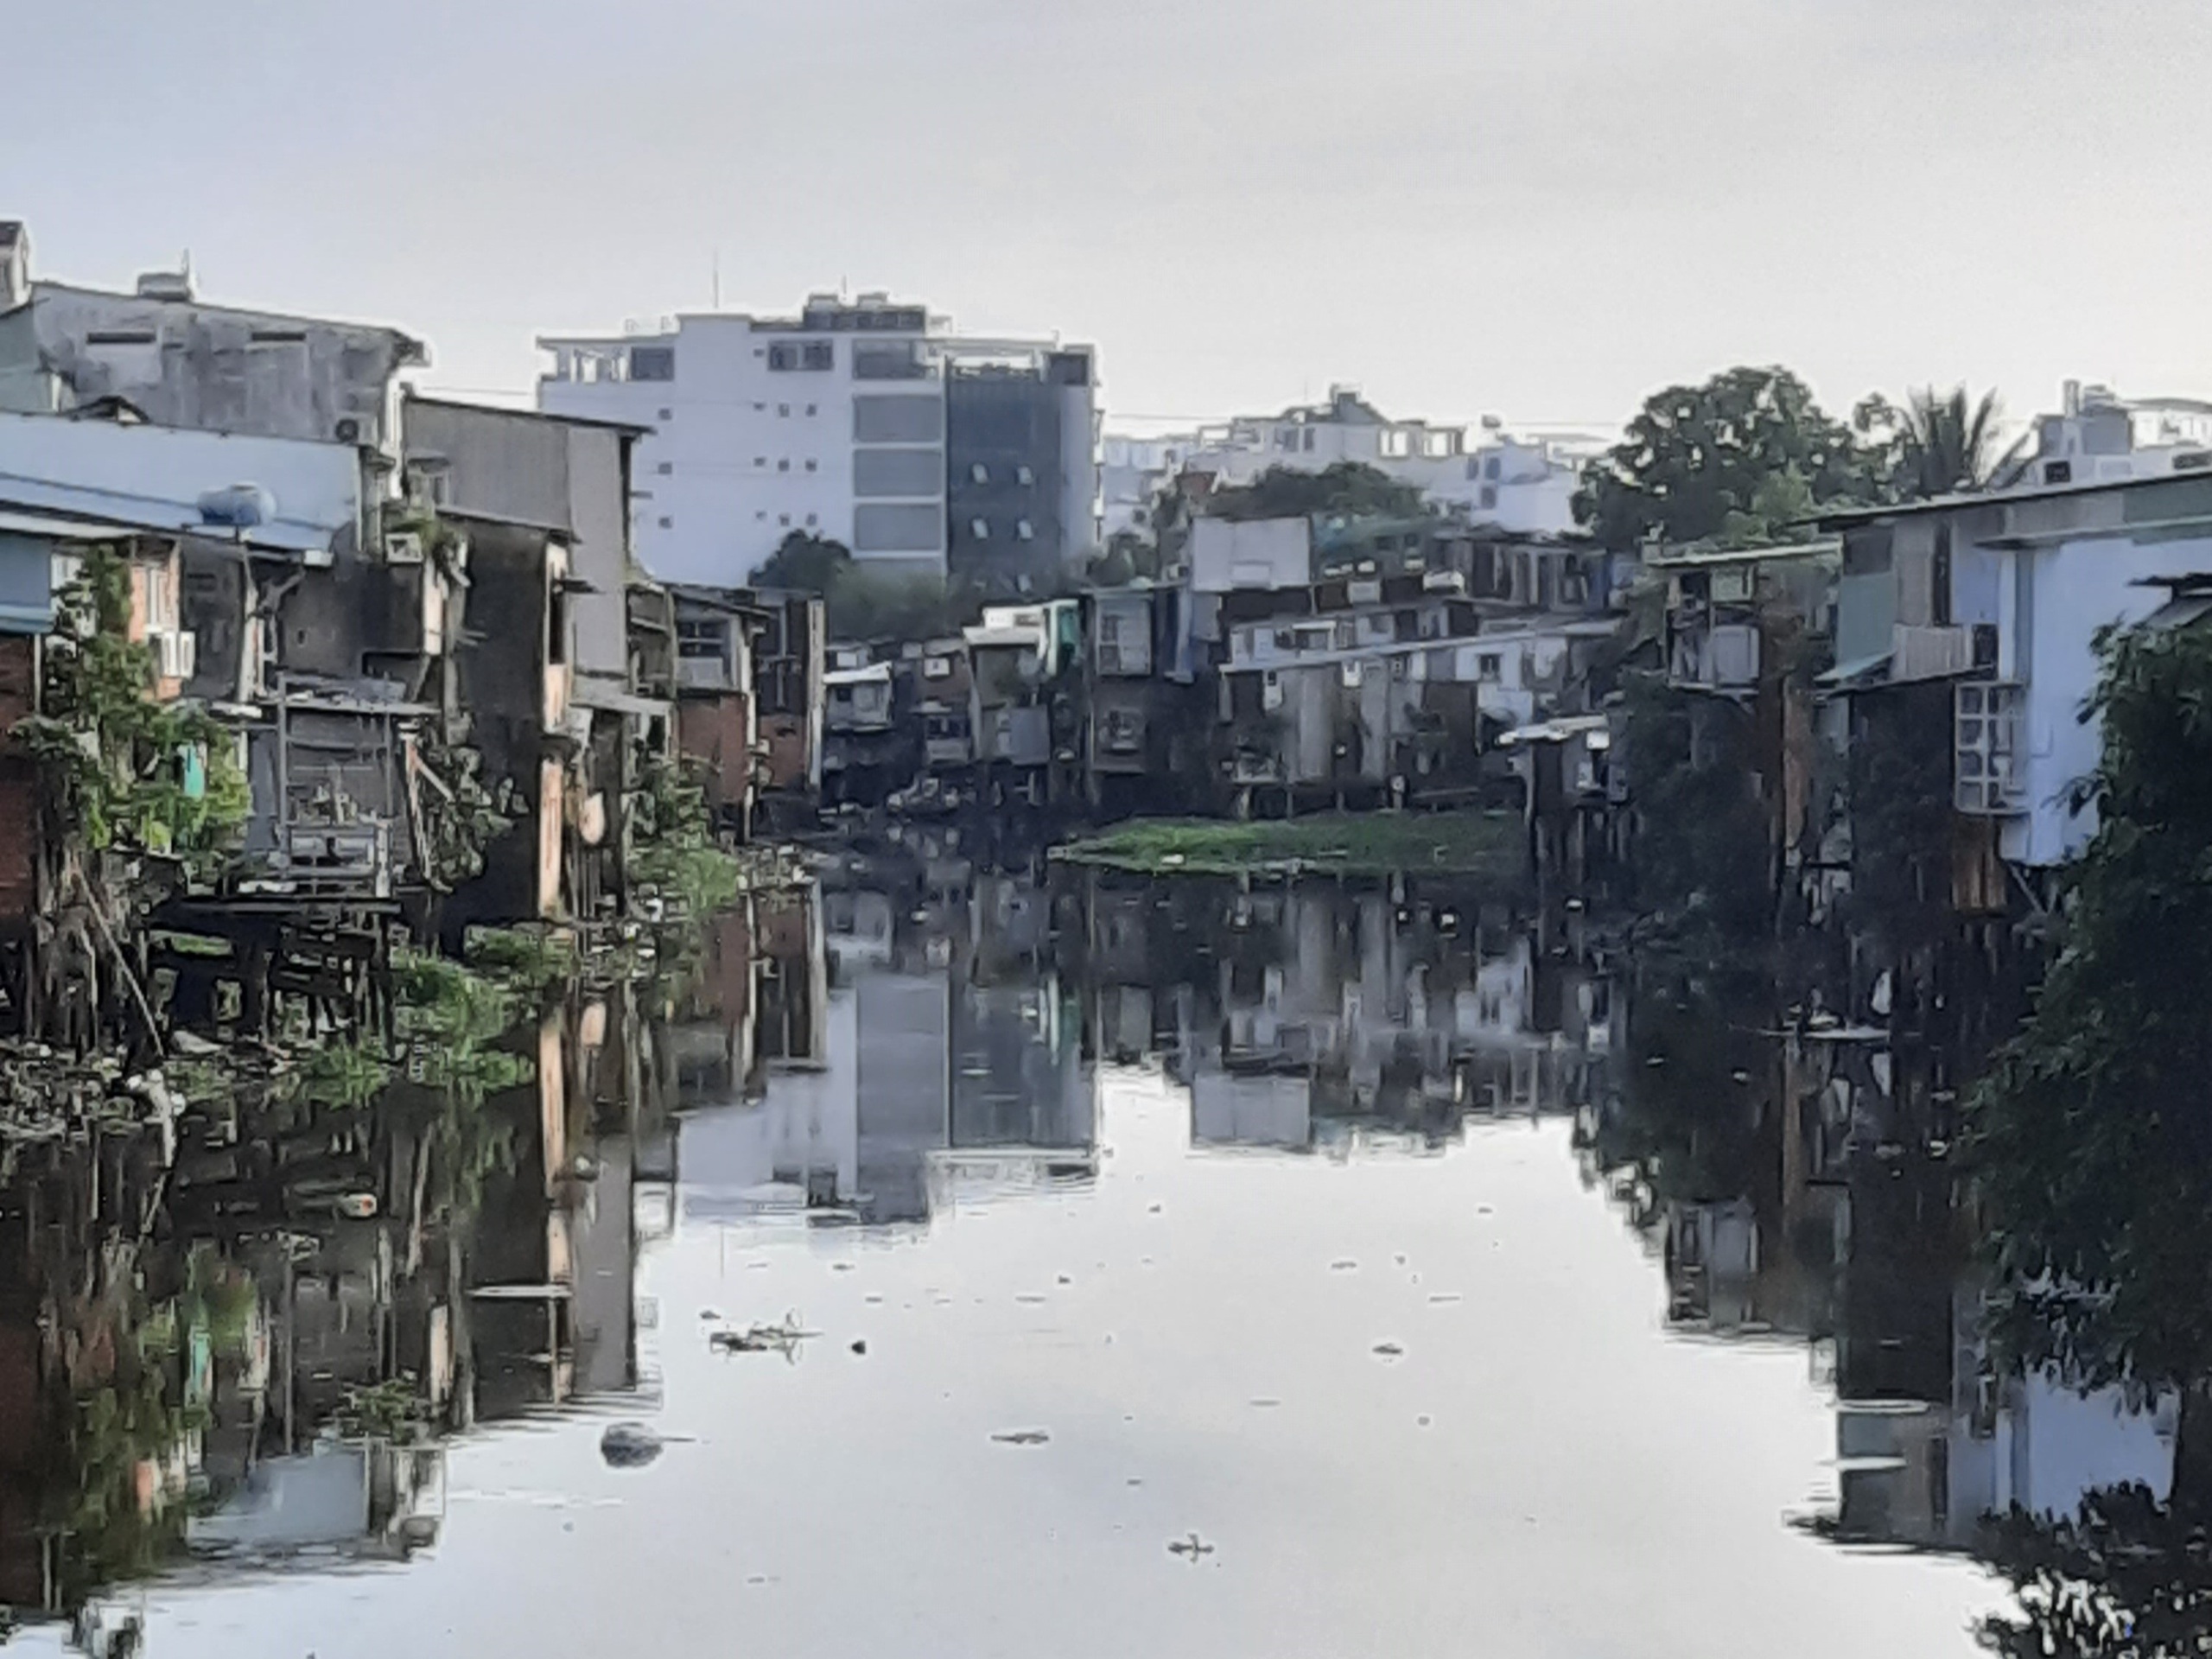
<point>1349,488</point>
<point>673,849</point>
<point>2090,1138</point>
<point>861,604</point>
<point>1736,460</point>
<point>123,770</point>
<point>1372,843</point>
<point>1935,444</point>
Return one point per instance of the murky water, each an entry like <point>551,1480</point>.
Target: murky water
<point>1140,1268</point>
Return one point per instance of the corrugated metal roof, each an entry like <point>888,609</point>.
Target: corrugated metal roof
<point>153,477</point>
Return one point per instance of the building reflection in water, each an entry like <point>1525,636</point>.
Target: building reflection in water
<point>241,1333</point>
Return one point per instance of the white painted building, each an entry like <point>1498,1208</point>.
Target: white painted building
<point>1522,485</point>
<point>2003,594</point>
<point>837,423</point>
<point>2100,437</point>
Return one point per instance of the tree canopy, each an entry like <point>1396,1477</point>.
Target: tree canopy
<point>805,563</point>
<point>1347,488</point>
<point>1936,444</point>
<point>860,603</point>
<point>2090,1137</point>
<point>1738,458</point>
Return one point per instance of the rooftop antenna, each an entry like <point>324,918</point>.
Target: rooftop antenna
<point>718,279</point>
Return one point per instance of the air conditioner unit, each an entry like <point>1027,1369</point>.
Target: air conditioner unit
<point>403,548</point>
<point>177,654</point>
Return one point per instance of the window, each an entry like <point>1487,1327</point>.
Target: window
<point>783,408</point>
<point>1490,468</point>
<point>1022,531</point>
<point>785,520</point>
<point>1308,445</point>
<point>700,637</point>
<point>811,520</point>
<point>759,461</point>
<point>1489,668</point>
<point>979,474</point>
<point>1286,640</point>
<point>665,469</point>
<point>666,415</point>
<point>810,463</point>
<point>653,363</point>
<point>810,409</point>
<point>667,523</point>
<point>784,465</point>
<point>783,358</point>
<point>1488,498</point>
<point>819,354</point>
<point>980,528</point>
<point>936,668</point>
<point>1023,475</point>
<point>1987,743</point>
<point>1285,437</point>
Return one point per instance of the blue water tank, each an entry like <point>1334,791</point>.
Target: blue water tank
<point>241,506</point>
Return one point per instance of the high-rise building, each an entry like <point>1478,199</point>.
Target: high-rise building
<point>865,422</point>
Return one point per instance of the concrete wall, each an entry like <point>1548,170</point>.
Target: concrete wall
<point>740,455</point>
<point>1255,553</point>
<point>2061,596</point>
<point>219,369</point>
<point>517,465</point>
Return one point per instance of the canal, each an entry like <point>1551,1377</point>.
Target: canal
<point>970,1264</point>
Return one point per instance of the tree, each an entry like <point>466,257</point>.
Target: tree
<point>1127,557</point>
<point>804,562</point>
<point>2090,1137</point>
<point>874,605</point>
<point>2126,1579</point>
<point>1349,488</point>
<point>1738,457</point>
<point>1936,444</point>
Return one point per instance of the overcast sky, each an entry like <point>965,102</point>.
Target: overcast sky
<point>1543,209</point>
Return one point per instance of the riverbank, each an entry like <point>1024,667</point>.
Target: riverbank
<point>1368,843</point>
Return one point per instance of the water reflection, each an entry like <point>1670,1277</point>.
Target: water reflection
<point>254,1335</point>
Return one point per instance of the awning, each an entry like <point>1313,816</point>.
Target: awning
<point>1857,674</point>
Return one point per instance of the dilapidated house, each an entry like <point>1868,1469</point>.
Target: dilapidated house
<point>182,361</point>
<point>1367,692</point>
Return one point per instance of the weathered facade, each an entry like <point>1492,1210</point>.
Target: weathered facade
<point>182,362</point>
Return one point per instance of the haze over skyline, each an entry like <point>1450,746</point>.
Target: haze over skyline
<point>1544,211</point>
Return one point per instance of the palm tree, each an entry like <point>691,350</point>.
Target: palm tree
<point>1939,443</point>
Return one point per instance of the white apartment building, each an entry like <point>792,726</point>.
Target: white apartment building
<point>1525,487</point>
<point>837,421</point>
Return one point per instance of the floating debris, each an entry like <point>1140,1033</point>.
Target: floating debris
<point>1438,1296</point>
<point>860,1345</point>
<point>779,1338</point>
<point>1021,1436</point>
<point>1190,1548</point>
<point>1389,1351</point>
<point>1344,1266</point>
<point>1263,1400</point>
<point>629,1446</point>
<point>841,1267</point>
<point>1029,1297</point>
